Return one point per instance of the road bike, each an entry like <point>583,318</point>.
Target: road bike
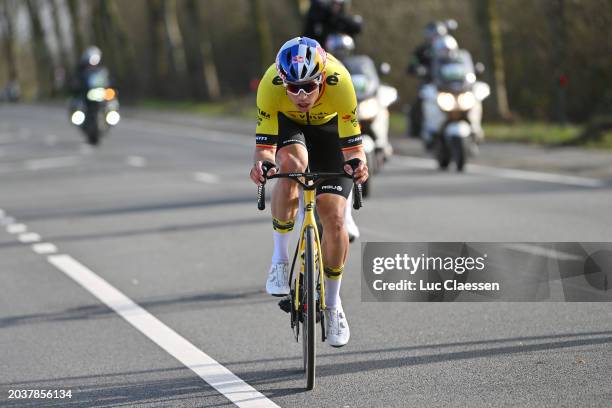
<point>306,300</point>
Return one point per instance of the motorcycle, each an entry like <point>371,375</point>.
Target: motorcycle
<point>452,109</point>
<point>98,110</point>
<point>373,100</point>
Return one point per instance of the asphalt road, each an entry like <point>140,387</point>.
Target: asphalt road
<point>163,212</point>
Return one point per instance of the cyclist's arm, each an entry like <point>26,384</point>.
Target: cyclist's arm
<point>349,129</point>
<point>266,134</point>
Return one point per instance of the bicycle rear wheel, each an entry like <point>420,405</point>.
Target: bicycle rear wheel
<point>310,309</point>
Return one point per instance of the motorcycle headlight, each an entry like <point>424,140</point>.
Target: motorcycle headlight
<point>368,109</point>
<point>96,94</point>
<point>446,101</point>
<point>77,118</point>
<point>466,101</point>
<point>112,118</point>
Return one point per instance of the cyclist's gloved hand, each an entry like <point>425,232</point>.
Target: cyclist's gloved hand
<point>358,169</point>
<point>257,172</point>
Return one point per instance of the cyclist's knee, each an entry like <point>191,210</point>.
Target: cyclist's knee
<point>291,161</point>
<point>332,218</point>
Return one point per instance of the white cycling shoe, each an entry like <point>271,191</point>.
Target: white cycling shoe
<point>336,327</point>
<point>278,279</point>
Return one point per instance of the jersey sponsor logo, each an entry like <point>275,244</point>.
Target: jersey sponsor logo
<point>332,79</point>
<point>277,80</point>
<point>261,138</point>
<point>354,140</point>
<point>263,114</point>
<point>354,111</point>
<point>347,117</point>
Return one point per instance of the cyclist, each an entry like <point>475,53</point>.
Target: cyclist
<point>307,118</point>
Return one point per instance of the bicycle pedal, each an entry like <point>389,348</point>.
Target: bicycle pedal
<point>285,305</point>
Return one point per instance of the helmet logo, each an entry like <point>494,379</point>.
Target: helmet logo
<point>297,59</point>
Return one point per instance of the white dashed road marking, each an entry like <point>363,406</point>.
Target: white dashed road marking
<point>136,161</point>
<point>52,163</point>
<point>44,248</point>
<point>16,228</point>
<point>29,237</point>
<point>422,163</point>
<point>206,177</point>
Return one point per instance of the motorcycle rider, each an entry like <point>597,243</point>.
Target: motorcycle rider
<point>420,65</point>
<point>89,66</point>
<point>327,17</point>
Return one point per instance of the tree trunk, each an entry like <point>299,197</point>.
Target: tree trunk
<point>559,41</point>
<point>264,35</point>
<point>77,36</point>
<point>159,71</point>
<point>111,36</point>
<point>486,13</point>
<point>65,60</point>
<point>174,40</point>
<point>299,9</point>
<point>8,36</point>
<point>42,56</point>
<point>202,67</point>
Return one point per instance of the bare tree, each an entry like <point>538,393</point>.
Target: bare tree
<point>110,35</point>
<point>8,35</point>
<point>77,36</point>
<point>62,48</point>
<point>559,42</point>
<point>200,58</point>
<point>42,56</point>
<point>174,39</point>
<point>487,16</point>
<point>299,8</point>
<point>264,35</point>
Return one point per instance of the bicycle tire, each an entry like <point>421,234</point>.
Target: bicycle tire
<point>310,322</point>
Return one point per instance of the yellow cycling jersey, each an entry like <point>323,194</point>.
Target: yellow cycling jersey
<point>337,98</point>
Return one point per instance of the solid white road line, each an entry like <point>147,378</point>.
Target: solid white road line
<point>2,213</point>
<point>29,237</point>
<point>44,248</point>
<point>536,176</point>
<point>52,163</point>
<point>16,228</point>
<point>206,177</point>
<point>422,163</point>
<point>548,253</point>
<point>219,377</point>
<point>136,161</point>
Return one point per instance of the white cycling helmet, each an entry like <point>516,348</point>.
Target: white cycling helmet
<point>91,56</point>
<point>444,45</point>
<point>339,44</point>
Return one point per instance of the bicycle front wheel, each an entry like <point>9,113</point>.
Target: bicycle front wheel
<point>310,309</point>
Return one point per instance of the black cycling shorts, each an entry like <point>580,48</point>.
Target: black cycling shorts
<point>324,152</point>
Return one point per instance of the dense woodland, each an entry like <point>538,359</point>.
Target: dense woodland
<point>545,59</point>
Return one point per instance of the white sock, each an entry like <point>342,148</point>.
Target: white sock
<point>281,247</point>
<point>332,292</point>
